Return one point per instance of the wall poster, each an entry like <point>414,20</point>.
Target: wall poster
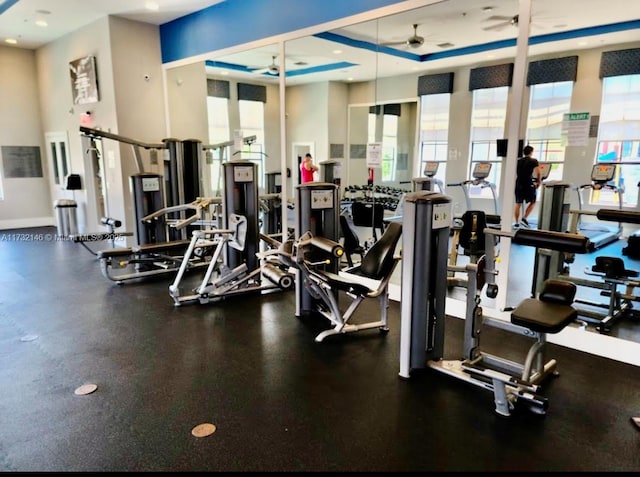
<point>84,80</point>
<point>21,161</point>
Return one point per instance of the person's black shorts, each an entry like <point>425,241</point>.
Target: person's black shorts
<point>525,193</point>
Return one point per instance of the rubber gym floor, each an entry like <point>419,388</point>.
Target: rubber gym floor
<point>279,400</point>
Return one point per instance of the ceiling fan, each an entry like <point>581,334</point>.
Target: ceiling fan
<point>414,41</point>
<point>503,22</point>
<point>537,22</point>
<point>272,69</point>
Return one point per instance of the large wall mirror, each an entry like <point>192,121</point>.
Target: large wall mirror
<point>421,83</point>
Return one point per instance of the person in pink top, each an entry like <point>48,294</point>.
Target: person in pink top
<point>307,168</point>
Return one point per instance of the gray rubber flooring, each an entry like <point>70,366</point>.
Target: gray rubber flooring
<point>279,400</point>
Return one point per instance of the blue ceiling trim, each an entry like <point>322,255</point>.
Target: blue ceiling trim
<point>298,72</point>
<point>589,31</point>
<point>535,40</point>
<point>229,66</point>
<point>237,22</point>
<point>320,69</point>
<point>366,45</point>
<point>468,50</point>
<point>6,5</point>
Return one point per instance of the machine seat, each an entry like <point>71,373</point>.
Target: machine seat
<point>174,246</point>
<point>613,268</point>
<point>368,280</point>
<point>551,312</point>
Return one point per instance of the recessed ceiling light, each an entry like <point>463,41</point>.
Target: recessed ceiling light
<point>41,23</point>
<point>11,41</point>
<point>224,73</point>
<point>337,52</point>
<point>151,6</point>
<point>43,12</point>
<point>487,9</point>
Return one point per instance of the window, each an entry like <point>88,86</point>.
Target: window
<point>218,119</point>
<point>389,146</point>
<point>383,122</point>
<point>252,124</point>
<point>619,137</point>
<point>434,133</point>
<point>57,151</point>
<point>548,102</point>
<point>487,124</point>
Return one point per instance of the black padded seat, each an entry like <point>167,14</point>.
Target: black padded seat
<point>613,267</point>
<point>542,316</point>
<point>114,252</point>
<point>551,312</point>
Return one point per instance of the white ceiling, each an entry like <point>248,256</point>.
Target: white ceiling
<point>66,16</point>
<point>459,23</point>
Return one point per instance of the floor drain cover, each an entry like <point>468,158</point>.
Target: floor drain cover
<point>85,389</point>
<point>203,430</point>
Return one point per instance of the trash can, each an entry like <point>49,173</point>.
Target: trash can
<point>66,217</point>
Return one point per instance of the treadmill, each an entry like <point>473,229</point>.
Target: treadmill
<point>479,174</point>
<point>599,234</point>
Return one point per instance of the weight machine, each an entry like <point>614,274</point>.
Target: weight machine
<point>613,279</point>
<point>316,254</point>
<point>237,265</point>
<point>608,275</point>
<point>426,222</point>
<point>123,264</point>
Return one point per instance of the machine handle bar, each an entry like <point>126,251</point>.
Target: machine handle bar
<point>617,215</point>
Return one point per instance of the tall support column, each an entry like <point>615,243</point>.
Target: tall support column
<point>508,180</point>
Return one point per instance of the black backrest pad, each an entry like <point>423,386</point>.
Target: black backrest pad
<point>351,241</point>
<point>378,261</point>
<point>558,291</point>
<point>472,232</point>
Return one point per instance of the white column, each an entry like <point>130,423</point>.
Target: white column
<point>516,106</point>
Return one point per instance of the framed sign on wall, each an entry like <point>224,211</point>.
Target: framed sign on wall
<point>84,80</point>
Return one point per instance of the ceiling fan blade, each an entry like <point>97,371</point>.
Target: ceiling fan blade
<point>497,26</point>
<point>504,22</point>
<point>395,43</point>
<point>498,18</point>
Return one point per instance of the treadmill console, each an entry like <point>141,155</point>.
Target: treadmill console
<point>602,173</point>
<point>430,169</point>
<point>481,170</point>
<point>545,169</point>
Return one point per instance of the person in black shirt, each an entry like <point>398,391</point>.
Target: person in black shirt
<point>528,179</point>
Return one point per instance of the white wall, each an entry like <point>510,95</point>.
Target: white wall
<point>128,106</point>
<point>307,122</point>
<point>27,201</point>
